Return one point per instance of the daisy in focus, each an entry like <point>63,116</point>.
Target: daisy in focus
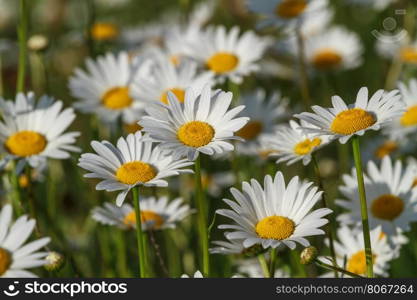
<point>15,257</point>
<point>342,121</point>
<point>351,248</point>
<point>228,55</point>
<point>264,113</point>
<point>392,200</point>
<point>155,214</point>
<point>166,77</point>
<point>105,88</point>
<point>201,124</point>
<point>406,124</point>
<point>228,247</point>
<point>134,161</point>
<point>291,143</point>
<point>276,215</point>
<point>33,131</point>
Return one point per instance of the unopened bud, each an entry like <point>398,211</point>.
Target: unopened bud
<point>308,255</point>
<point>37,42</point>
<point>54,260</point>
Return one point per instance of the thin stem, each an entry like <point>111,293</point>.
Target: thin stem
<point>16,193</point>
<point>305,92</point>
<point>336,269</point>
<point>120,241</point>
<point>202,218</point>
<point>364,207</point>
<point>139,233</point>
<point>330,230</point>
<point>264,265</point>
<point>22,35</point>
<point>272,262</point>
<point>158,253</point>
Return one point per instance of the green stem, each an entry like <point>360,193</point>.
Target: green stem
<point>22,34</point>
<point>16,193</point>
<point>272,262</point>
<point>121,254</point>
<point>330,229</point>
<point>202,218</point>
<point>264,265</point>
<point>336,269</point>
<point>364,207</point>
<point>305,92</point>
<point>139,234</point>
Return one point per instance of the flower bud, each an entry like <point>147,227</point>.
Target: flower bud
<point>54,260</point>
<point>308,255</point>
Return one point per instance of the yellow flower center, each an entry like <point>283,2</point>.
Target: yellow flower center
<point>26,143</point>
<point>23,181</point>
<point>117,98</point>
<point>409,55</point>
<point>251,130</point>
<point>222,62</point>
<point>132,127</point>
<point>352,120</point>
<point>326,59</point>
<point>178,92</point>
<point>134,172</point>
<point>357,263</point>
<point>409,118</point>
<point>387,207</point>
<point>175,59</point>
<point>290,8</point>
<point>5,260</point>
<point>146,216</point>
<point>385,149</point>
<point>275,227</point>
<point>195,133</point>
<point>306,146</point>
<point>104,31</point>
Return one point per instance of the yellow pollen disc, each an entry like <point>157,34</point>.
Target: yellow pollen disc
<point>385,149</point>
<point>179,93</point>
<point>5,260</point>
<point>104,31</point>
<point>26,143</point>
<point>117,98</point>
<point>307,146</point>
<point>290,8</point>
<point>23,181</point>
<point>175,59</point>
<point>222,62</point>
<point>146,216</point>
<point>195,133</point>
<point>357,263</point>
<point>387,207</point>
<point>351,121</point>
<point>134,172</point>
<point>251,130</point>
<point>381,235</point>
<point>326,59</point>
<point>409,118</point>
<point>132,127</point>
<point>409,55</point>
<point>275,227</point>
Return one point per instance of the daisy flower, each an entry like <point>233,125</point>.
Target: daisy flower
<point>276,215</point>
<point>133,162</point>
<point>228,247</point>
<point>342,121</point>
<point>392,200</point>
<point>379,147</point>
<point>351,248</point>
<point>334,49</point>
<point>15,257</point>
<point>155,213</point>
<point>291,143</point>
<point>227,54</point>
<point>166,77</point>
<point>32,132</point>
<point>106,87</point>
<point>407,123</point>
<point>285,12</point>
<point>104,31</point>
<point>200,124</point>
<point>263,113</point>
<point>197,274</point>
